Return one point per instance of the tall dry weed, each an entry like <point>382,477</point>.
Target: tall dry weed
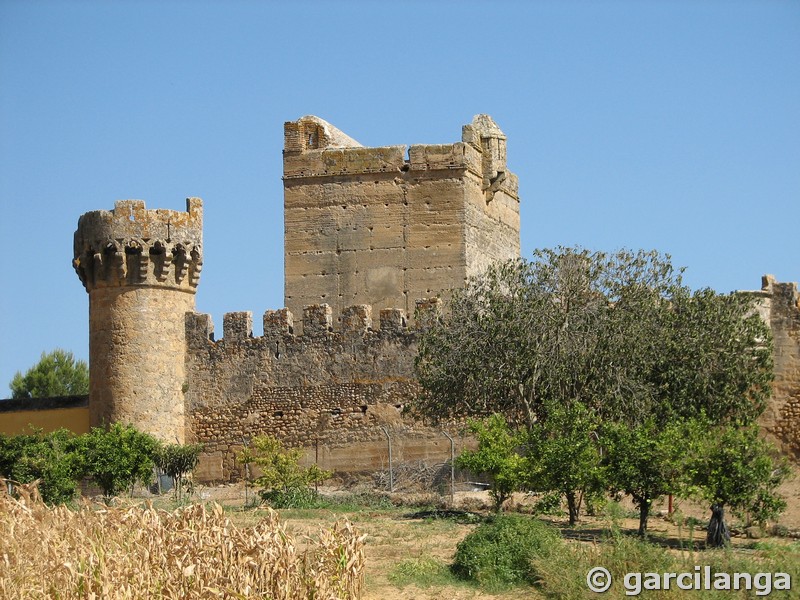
<point>115,553</point>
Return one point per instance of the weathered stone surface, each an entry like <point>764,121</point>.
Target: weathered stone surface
<point>141,268</point>
<point>367,225</point>
<point>368,232</point>
<point>338,386</point>
<point>780,308</point>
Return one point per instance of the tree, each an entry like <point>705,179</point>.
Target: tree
<point>557,328</point>
<point>649,460</point>
<point>735,468</point>
<point>713,359</point>
<point>616,333</point>
<point>117,457</point>
<point>564,455</point>
<point>56,374</point>
<point>177,461</point>
<point>497,457</point>
<point>281,474</point>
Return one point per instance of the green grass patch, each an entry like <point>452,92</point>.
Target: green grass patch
<point>424,572</point>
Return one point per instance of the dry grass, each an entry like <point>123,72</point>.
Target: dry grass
<point>115,553</point>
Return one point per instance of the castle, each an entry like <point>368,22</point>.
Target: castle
<point>369,231</point>
<point>371,236</point>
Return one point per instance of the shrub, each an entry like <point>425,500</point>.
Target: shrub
<point>177,461</point>
<point>300,497</point>
<point>51,458</point>
<point>282,478</point>
<point>501,553</point>
<point>117,457</point>
<point>496,457</point>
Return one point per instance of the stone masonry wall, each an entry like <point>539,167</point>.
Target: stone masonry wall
<point>141,269</point>
<point>781,309</point>
<point>378,227</point>
<point>335,389</point>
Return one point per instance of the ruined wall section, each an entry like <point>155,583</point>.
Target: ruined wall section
<point>336,387</point>
<point>141,269</point>
<point>780,307</point>
<point>381,227</point>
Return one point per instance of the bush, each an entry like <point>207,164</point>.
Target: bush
<point>117,457</point>
<point>51,458</point>
<point>292,498</point>
<point>282,478</point>
<point>177,461</point>
<point>501,553</point>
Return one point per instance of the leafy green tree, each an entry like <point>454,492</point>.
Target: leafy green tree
<point>559,328</point>
<point>649,460</point>
<point>616,333</point>
<point>117,457</point>
<point>56,374</point>
<point>497,457</point>
<point>736,468</point>
<point>281,474</point>
<point>712,359</point>
<point>564,455</point>
<point>53,459</point>
<point>177,461</point>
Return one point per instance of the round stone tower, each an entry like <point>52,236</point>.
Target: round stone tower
<point>141,269</point>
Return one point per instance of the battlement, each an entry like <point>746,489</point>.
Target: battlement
<point>313,148</point>
<point>317,322</point>
<point>131,245</point>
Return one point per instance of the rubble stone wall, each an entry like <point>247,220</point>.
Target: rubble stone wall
<point>342,390</point>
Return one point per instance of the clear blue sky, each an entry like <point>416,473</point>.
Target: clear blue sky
<point>668,125</point>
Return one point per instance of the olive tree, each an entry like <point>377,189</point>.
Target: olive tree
<point>618,334</point>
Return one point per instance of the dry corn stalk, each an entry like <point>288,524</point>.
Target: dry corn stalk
<point>138,552</point>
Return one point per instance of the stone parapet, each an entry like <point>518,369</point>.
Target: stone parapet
<point>339,380</point>
<point>317,321</point>
<point>133,246</point>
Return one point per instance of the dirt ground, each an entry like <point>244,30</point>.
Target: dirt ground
<point>393,537</point>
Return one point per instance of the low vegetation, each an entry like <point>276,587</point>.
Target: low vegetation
<point>502,552</point>
<point>113,458</point>
<point>283,482</point>
<point>193,552</point>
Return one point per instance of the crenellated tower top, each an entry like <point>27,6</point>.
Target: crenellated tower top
<point>133,246</point>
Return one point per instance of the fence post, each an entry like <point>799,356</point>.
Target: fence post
<point>452,469</point>
<point>391,473</point>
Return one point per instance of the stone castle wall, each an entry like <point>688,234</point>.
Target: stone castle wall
<point>334,388</point>
<point>141,269</point>
<point>780,308</point>
<point>384,226</point>
<point>367,231</point>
